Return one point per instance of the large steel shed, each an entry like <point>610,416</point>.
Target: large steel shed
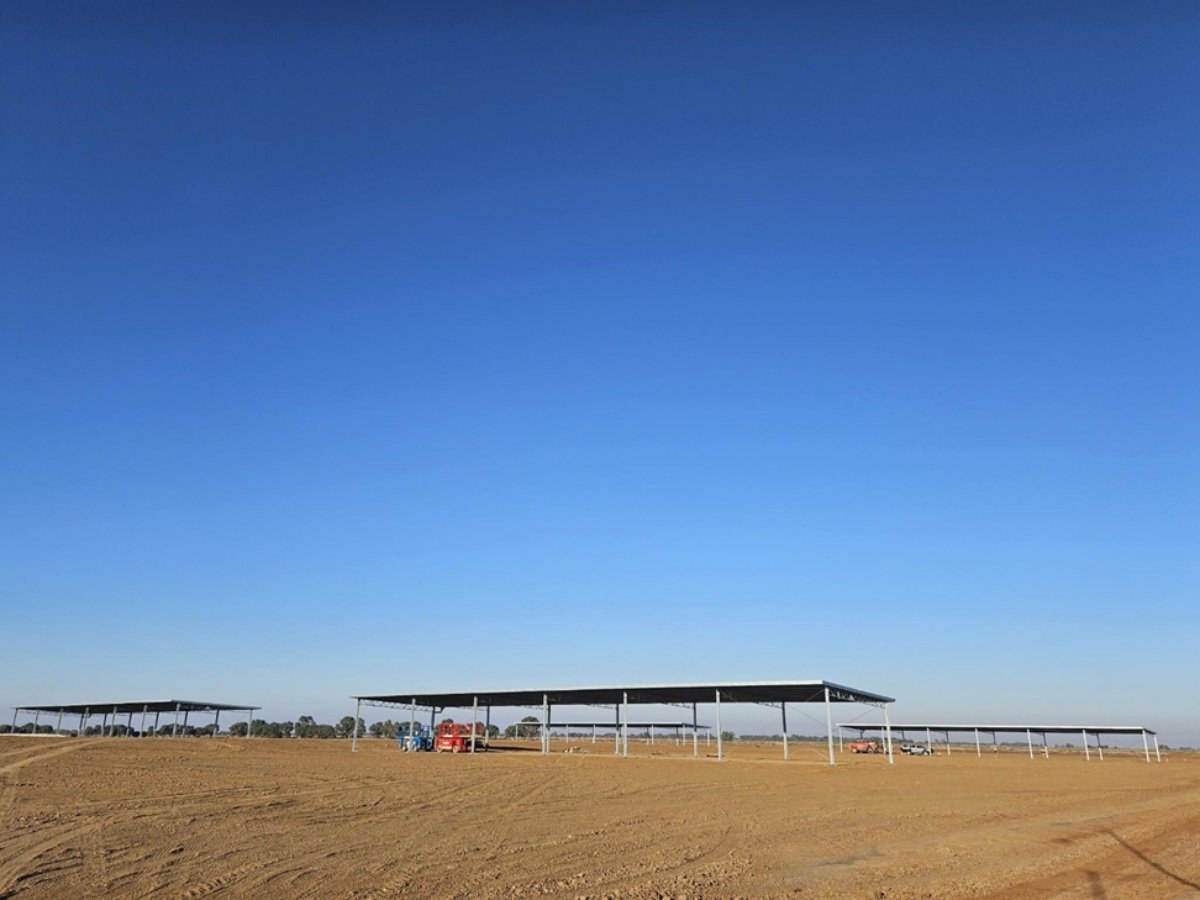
<point>767,693</point>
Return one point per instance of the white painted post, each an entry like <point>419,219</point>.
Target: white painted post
<point>354,737</point>
<point>143,728</point>
<point>1099,746</point>
<point>1029,737</point>
<point>156,713</point>
<point>1087,751</point>
<point>412,724</point>
<point>947,741</point>
<point>1045,746</point>
<point>695,734</point>
<point>474,720</point>
<point>829,726</point>
<point>720,737</point>
<point>58,727</point>
<point>783,711</point>
<point>594,729</point>
<point>545,724</point>
<point>978,750</point>
<point>1157,755</point>
<point>112,732</point>
<point>1146,745</point>
<point>929,740</point>
<point>487,726</point>
<point>37,714</point>
<point>625,725</point>
<point>887,724</point>
<point>216,721</point>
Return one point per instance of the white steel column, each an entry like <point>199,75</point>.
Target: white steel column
<point>829,726</point>
<point>58,727</point>
<point>720,737</point>
<point>929,740</point>
<point>156,714</point>
<point>545,724</point>
<point>1045,746</point>
<point>887,725</point>
<point>594,730</point>
<point>783,711</point>
<point>487,726</point>
<point>947,741</point>
<point>651,732</point>
<point>216,721</point>
<point>617,729</point>
<point>1099,747</point>
<point>1157,755</point>
<point>37,715</point>
<point>1146,744</point>
<point>978,750</point>
<point>1029,737</point>
<point>625,724</point>
<point>112,731</point>
<point>250,722</point>
<point>412,725</point>
<point>695,736</point>
<point>474,720</point>
<point>144,710</point>
<point>1087,751</point>
<point>354,737</point>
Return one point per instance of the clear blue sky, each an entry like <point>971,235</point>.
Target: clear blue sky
<point>373,347</point>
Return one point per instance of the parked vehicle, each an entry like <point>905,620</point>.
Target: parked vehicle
<point>914,749</point>
<point>866,745</point>
<point>456,737</point>
<point>420,739</point>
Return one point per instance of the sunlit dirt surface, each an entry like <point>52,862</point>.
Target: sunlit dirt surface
<point>268,818</point>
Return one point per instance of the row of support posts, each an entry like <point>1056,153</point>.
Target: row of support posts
<point>108,721</point>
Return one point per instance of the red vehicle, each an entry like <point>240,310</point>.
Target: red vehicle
<point>456,737</point>
<point>866,746</point>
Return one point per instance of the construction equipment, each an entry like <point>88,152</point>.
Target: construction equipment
<point>866,745</point>
<point>456,737</point>
<point>420,739</point>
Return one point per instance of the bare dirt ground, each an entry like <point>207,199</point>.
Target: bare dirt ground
<point>266,818</point>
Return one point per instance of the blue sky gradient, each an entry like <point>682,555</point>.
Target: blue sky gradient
<point>385,347</point>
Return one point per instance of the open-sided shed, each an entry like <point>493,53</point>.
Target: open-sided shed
<point>109,712</point>
<point>776,694</point>
<point>1028,730</point>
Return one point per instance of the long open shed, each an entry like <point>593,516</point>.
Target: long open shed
<point>1028,730</point>
<point>109,711</point>
<point>619,698</point>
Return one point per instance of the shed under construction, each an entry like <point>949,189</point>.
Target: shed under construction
<point>776,694</point>
<point>1029,731</point>
<point>108,713</point>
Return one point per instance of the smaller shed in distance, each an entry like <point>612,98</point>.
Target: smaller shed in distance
<point>109,712</point>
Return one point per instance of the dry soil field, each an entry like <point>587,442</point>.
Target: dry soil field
<point>263,818</point>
